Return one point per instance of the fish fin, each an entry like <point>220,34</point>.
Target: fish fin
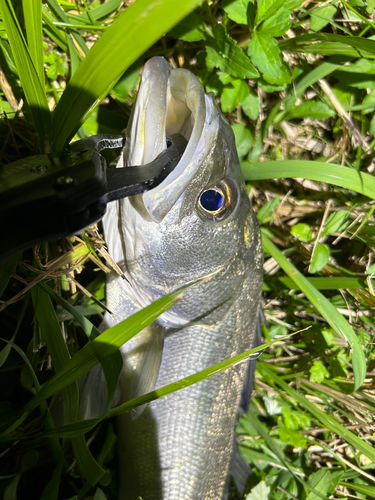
<point>92,397</point>
<point>249,378</point>
<point>93,394</point>
<point>142,359</point>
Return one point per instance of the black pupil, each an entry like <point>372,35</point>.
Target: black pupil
<point>211,200</point>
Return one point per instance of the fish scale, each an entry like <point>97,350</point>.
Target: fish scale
<point>180,447</point>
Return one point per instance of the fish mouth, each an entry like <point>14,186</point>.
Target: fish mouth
<point>169,101</point>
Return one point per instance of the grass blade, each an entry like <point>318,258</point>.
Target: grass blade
<point>337,175</point>
<point>31,84</point>
<point>32,11</point>
<point>52,31</point>
<point>96,351</point>
<point>325,308</point>
<point>101,11</point>
<point>7,267</point>
<point>276,284</point>
<point>60,14</point>
<point>52,335</point>
<point>112,365</point>
<point>192,379</point>
<point>126,40</point>
<point>84,426</point>
<point>361,44</point>
<point>327,420</point>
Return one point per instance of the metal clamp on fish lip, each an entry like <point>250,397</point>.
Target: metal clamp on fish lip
<point>47,197</point>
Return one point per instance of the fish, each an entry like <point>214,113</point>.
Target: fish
<point>197,227</point>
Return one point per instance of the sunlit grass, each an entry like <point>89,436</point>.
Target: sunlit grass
<point>305,136</point>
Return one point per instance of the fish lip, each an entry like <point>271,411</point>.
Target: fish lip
<point>176,89</point>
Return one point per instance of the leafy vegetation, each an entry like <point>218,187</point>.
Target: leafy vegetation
<point>297,82</point>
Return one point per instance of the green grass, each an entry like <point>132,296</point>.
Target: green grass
<point>297,82</point>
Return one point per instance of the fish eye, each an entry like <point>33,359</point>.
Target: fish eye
<point>217,202</point>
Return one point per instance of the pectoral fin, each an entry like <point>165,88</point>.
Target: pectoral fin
<point>142,359</point>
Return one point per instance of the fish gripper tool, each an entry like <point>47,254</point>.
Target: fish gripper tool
<point>51,196</point>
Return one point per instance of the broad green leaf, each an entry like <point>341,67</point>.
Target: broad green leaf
<point>99,495</point>
<point>243,138</point>
<point>270,88</point>
<point>225,78</point>
<point>231,97</point>
<point>294,438</point>
<point>11,490</point>
<point>266,56</point>
<point>321,17</point>
<point>251,105</point>
<point>371,270</point>
<point>278,23</point>
<point>268,8</point>
<point>228,57</point>
<point>325,308</point>
<point>56,65</point>
<point>336,175</point>
<point>259,492</point>
<point>318,372</point>
<point>51,491</point>
<point>31,84</point>
<point>295,420</point>
<point>319,258</point>
<point>190,29</point>
<point>302,231</point>
<point>336,222</point>
<point>125,40</point>
<point>344,94</point>
<point>325,481</point>
<point>237,10</point>
<point>311,109</point>
<point>32,11</point>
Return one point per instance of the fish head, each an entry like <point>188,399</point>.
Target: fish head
<point>197,226</point>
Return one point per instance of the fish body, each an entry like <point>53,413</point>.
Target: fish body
<point>196,227</point>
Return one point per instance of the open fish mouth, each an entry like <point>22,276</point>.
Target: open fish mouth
<point>168,102</point>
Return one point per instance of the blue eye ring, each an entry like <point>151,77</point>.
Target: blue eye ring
<point>217,202</point>
<point>211,200</point>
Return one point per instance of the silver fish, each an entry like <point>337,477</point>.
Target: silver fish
<point>197,224</point>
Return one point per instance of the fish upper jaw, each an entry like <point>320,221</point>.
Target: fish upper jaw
<point>168,102</point>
